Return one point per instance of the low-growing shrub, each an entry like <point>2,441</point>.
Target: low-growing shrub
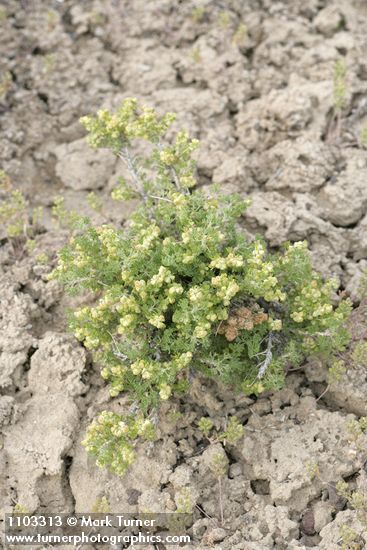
<point>180,289</point>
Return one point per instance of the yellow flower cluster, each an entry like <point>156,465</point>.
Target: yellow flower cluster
<point>164,391</point>
<point>114,130</point>
<point>195,294</point>
<point>144,368</point>
<point>157,321</point>
<point>147,238</point>
<point>275,324</point>
<point>230,261</point>
<point>167,156</point>
<point>111,438</point>
<point>174,291</point>
<point>260,277</point>
<point>312,302</point>
<point>164,275</point>
<point>226,286</point>
<point>109,239</point>
<point>86,331</point>
<point>202,330</point>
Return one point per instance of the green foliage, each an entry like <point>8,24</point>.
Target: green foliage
<point>94,201</point>
<point>184,501</point>
<point>196,56</point>
<point>3,14</point>
<point>357,428</point>
<point>356,499</point>
<point>5,83</point>
<point>20,509</point>
<point>363,137</point>
<point>340,85</point>
<point>224,19</point>
<point>231,434</point>
<point>336,371</point>
<point>240,35</point>
<point>182,518</point>
<point>219,465</point>
<point>350,539</point>
<point>205,425</point>
<point>198,14</point>
<point>66,218</point>
<point>43,258</point>
<point>20,222</point>
<point>180,289</point>
<point>116,131</point>
<point>49,61</point>
<point>313,470</point>
<point>111,439</point>
<point>359,354</point>
<point>101,506</point>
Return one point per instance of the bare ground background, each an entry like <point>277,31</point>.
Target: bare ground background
<point>253,79</point>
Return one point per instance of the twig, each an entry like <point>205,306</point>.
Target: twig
<point>268,357</point>
<point>134,407</point>
<point>116,350</point>
<point>83,279</point>
<point>323,393</point>
<point>202,511</point>
<point>159,198</point>
<point>172,171</point>
<point>125,155</point>
<point>175,178</point>
<point>296,368</point>
<point>221,500</point>
<point>218,327</point>
<point>253,430</point>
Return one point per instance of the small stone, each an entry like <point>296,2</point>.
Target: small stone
<point>200,527</point>
<point>322,512</point>
<point>181,476</point>
<point>214,460</point>
<point>235,470</point>
<point>329,20</point>
<point>215,535</point>
<point>133,496</point>
<point>308,522</point>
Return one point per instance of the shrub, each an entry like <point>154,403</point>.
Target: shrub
<point>180,290</point>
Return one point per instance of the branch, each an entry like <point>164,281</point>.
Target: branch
<point>125,155</point>
<point>160,198</point>
<point>174,175</point>
<point>117,353</point>
<point>263,366</point>
<point>172,172</point>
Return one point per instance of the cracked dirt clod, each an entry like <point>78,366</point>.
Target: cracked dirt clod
<point>284,453</point>
<point>17,310</point>
<point>57,366</point>
<point>258,92</point>
<point>80,167</point>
